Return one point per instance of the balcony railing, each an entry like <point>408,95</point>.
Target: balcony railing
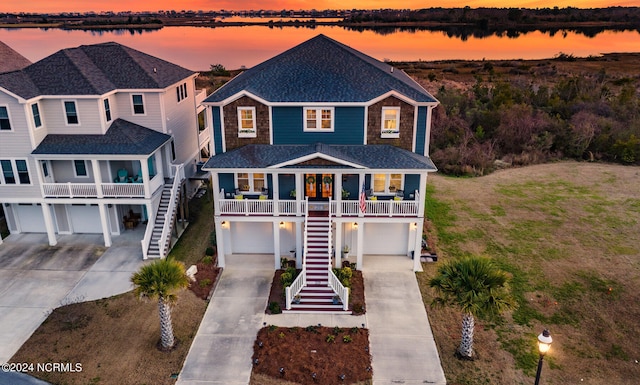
<point>389,208</point>
<point>92,190</point>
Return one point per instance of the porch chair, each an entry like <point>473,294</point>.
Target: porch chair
<point>123,175</point>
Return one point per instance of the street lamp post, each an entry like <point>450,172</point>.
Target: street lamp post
<point>544,343</point>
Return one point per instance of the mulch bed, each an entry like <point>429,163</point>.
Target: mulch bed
<point>206,278</point>
<point>341,359</point>
<point>356,293</point>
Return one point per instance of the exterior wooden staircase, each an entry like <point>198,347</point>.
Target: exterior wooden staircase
<point>317,294</point>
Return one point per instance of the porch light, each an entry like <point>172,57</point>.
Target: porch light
<point>224,224</point>
<point>281,224</point>
<point>414,225</point>
<point>355,225</point>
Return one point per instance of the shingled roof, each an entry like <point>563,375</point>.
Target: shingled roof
<point>122,138</point>
<point>93,70</point>
<point>261,156</point>
<point>322,70</point>
<point>11,60</point>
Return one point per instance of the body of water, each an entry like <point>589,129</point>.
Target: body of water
<point>197,48</point>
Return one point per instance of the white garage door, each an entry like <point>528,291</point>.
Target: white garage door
<point>85,219</point>
<point>386,238</point>
<point>252,238</point>
<point>30,218</point>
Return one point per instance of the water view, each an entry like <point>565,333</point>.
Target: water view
<point>197,48</point>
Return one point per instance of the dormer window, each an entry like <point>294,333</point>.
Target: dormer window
<point>35,111</point>
<point>107,110</point>
<point>318,119</point>
<point>246,122</point>
<point>390,122</point>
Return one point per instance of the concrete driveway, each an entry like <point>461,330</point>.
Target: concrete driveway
<point>36,278</point>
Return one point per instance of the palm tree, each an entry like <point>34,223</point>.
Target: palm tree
<point>161,279</point>
<point>477,287</point>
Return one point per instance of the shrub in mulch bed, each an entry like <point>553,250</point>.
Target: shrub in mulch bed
<point>206,278</point>
<point>337,356</point>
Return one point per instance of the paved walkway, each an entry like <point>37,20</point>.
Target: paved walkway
<point>402,345</point>
<point>36,278</point>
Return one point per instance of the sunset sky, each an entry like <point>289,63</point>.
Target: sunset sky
<point>54,6</point>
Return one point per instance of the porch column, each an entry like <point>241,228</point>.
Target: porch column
<point>427,136</point>
<point>97,176</point>
<point>299,250</point>
<point>276,244</point>
<point>144,166</point>
<point>275,192</point>
<point>422,189</point>
<point>361,179</point>
<point>338,246</point>
<point>215,189</point>
<point>417,245</point>
<point>299,193</point>
<point>106,233</point>
<point>360,243</point>
<point>338,189</point>
<point>48,223</point>
<point>220,241</point>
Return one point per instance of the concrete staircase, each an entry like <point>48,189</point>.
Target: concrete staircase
<point>158,224</point>
<point>317,295</point>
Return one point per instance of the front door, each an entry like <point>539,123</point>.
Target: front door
<point>318,187</point>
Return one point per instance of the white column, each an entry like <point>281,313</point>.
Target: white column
<point>97,176</point>
<point>144,166</point>
<point>215,187</point>
<point>299,243</point>
<point>275,191</point>
<point>276,244</point>
<point>220,241</point>
<point>48,223</point>
<point>361,179</point>
<point>339,229</point>
<point>299,193</point>
<point>104,221</point>
<point>360,242</point>
<point>427,134</point>
<point>338,189</point>
<point>417,247</point>
<point>422,189</point>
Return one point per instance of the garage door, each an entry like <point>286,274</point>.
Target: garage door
<point>252,238</point>
<point>386,238</point>
<point>30,218</point>
<point>85,219</point>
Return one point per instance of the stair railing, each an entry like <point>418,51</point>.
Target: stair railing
<point>301,281</point>
<point>146,241</point>
<point>178,176</point>
<point>334,282</point>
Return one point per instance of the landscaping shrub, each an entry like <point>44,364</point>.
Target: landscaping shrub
<point>210,251</point>
<point>274,308</point>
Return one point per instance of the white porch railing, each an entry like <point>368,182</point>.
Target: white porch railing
<point>92,190</point>
<point>379,208</point>
<point>339,289</point>
<point>178,176</point>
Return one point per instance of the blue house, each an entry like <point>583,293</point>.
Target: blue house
<point>320,154</point>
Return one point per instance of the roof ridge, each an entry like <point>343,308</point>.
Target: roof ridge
<point>82,70</point>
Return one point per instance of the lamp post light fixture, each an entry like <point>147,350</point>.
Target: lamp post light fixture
<point>544,343</point>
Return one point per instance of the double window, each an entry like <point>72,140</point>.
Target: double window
<point>251,182</point>
<point>14,171</point>
<point>181,92</point>
<point>390,122</point>
<point>35,111</point>
<point>5,122</point>
<point>318,119</point>
<point>138,104</point>
<point>71,112</point>
<point>386,183</point>
<point>246,122</point>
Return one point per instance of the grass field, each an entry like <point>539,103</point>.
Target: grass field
<point>569,235</point>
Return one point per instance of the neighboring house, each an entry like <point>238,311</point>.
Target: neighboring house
<point>319,149</point>
<point>100,139</point>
